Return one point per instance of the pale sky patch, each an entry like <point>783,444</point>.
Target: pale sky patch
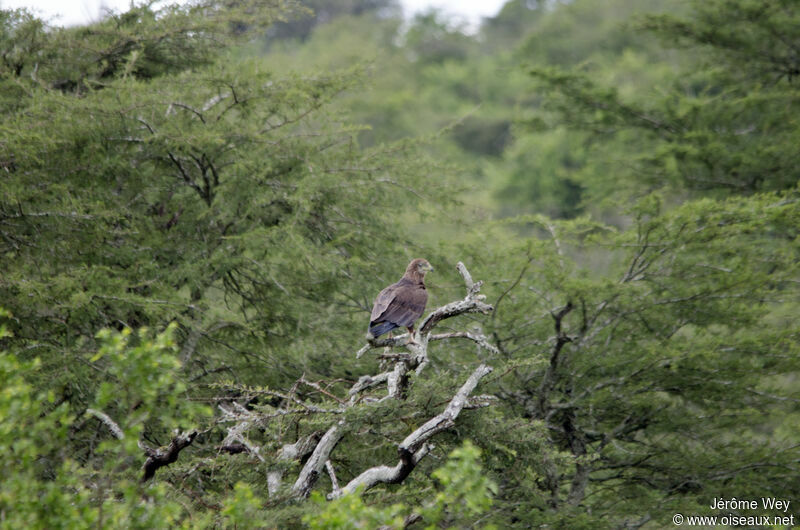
<point>72,12</point>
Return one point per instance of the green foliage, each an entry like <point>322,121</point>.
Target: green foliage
<point>653,333</point>
<point>142,42</point>
<point>46,485</point>
<point>350,512</point>
<point>431,39</point>
<point>181,189</point>
<point>515,20</point>
<point>314,15</point>
<point>142,374</point>
<point>754,39</point>
<point>677,320</point>
<point>242,508</point>
<point>622,175</point>
<point>707,127</point>
<point>465,491</point>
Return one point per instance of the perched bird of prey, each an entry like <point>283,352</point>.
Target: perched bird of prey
<point>402,303</point>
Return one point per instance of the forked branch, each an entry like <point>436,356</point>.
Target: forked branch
<point>158,458</point>
<point>415,446</point>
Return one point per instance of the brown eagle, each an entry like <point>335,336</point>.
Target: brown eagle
<point>402,303</point>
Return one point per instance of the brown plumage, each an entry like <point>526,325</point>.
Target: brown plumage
<point>402,303</point>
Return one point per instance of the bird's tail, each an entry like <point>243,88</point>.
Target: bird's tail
<point>379,329</point>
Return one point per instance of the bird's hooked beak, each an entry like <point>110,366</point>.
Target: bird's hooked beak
<point>427,267</point>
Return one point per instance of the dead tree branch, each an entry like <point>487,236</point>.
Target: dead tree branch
<point>158,458</point>
<point>245,420</point>
<point>318,449</point>
<point>111,424</point>
<point>446,419</point>
<point>332,475</point>
<point>296,451</point>
<point>310,472</point>
<point>479,339</point>
<point>415,447</point>
<point>549,379</point>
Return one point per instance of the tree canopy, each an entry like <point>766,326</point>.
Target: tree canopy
<point>200,203</point>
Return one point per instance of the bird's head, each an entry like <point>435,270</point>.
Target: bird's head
<point>419,267</point>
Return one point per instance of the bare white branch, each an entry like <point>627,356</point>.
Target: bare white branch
<point>479,339</point>
<point>274,482</point>
<point>294,451</point>
<point>364,349</point>
<point>111,424</point>
<point>66,215</point>
<point>447,418</point>
<point>245,419</point>
<point>415,446</point>
<point>462,270</point>
<point>364,382</point>
<point>311,470</point>
<point>332,475</point>
<point>479,402</point>
<point>383,474</point>
<point>394,381</point>
<point>213,101</point>
<point>471,304</point>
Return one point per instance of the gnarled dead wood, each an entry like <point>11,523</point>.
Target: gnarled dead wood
<point>158,458</point>
<point>415,447</point>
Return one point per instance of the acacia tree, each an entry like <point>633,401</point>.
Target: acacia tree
<point>356,412</point>
<point>643,390</point>
<point>258,423</point>
<point>727,125</point>
<point>651,365</point>
<point>217,194</point>
<point>636,371</point>
<point>154,173</point>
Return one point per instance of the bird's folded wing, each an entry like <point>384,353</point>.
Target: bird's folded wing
<point>405,306</point>
<point>382,302</point>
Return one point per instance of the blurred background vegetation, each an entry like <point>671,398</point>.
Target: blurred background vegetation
<point>199,203</point>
